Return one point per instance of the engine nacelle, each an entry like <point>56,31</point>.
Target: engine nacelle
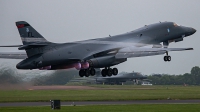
<point>82,65</point>
<point>105,61</point>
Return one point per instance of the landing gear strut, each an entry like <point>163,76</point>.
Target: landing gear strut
<point>109,72</point>
<point>87,72</point>
<point>167,58</point>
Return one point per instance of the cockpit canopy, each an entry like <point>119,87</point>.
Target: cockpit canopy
<point>176,25</point>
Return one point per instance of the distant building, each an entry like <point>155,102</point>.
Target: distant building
<point>145,83</point>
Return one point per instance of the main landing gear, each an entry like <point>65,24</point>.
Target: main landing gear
<point>109,72</point>
<point>91,72</point>
<point>167,58</point>
<point>87,72</point>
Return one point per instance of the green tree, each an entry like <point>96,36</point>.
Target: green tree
<point>195,72</point>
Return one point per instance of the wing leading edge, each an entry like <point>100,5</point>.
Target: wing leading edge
<point>141,52</point>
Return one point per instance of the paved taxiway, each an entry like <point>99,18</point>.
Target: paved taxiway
<point>102,103</point>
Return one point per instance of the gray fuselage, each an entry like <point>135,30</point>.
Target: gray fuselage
<point>102,50</point>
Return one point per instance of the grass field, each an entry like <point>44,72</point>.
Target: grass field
<point>112,108</point>
<point>103,93</point>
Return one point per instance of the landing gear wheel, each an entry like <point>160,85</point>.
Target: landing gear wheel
<point>81,73</point>
<point>109,72</point>
<point>103,72</point>
<point>167,58</point>
<point>92,71</point>
<point>115,71</point>
<point>87,73</point>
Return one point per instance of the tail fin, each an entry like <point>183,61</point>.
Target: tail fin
<point>28,34</point>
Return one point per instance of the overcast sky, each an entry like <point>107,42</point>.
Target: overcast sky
<point>73,20</point>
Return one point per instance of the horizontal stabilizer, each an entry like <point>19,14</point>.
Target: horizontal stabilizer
<point>13,55</point>
<point>12,46</point>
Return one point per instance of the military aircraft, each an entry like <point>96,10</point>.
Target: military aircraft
<point>104,53</point>
<point>120,78</point>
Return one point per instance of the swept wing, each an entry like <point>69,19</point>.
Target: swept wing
<point>140,52</point>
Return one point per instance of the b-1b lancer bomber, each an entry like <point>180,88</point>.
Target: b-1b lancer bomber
<point>104,53</point>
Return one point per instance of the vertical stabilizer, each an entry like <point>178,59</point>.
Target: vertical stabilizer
<point>28,34</point>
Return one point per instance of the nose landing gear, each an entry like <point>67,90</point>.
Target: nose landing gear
<point>167,58</point>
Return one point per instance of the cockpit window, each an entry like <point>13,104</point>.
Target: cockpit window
<point>175,24</point>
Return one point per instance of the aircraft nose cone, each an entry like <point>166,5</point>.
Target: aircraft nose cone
<point>193,30</point>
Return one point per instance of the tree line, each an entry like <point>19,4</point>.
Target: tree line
<point>61,77</point>
<point>192,78</point>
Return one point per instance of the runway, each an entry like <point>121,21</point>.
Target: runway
<point>80,103</point>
